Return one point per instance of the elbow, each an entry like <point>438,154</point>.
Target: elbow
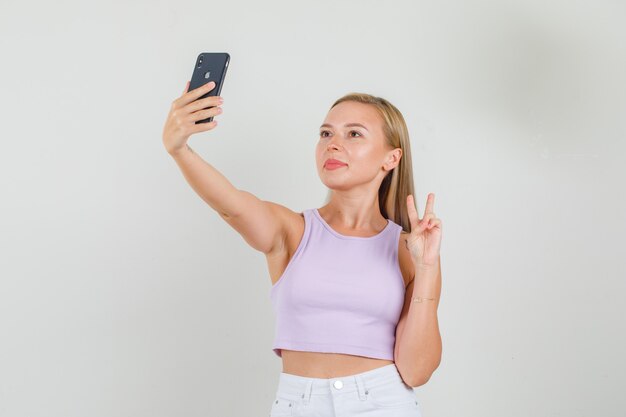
<point>414,379</point>
<point>417,382</point>
<point>417,376</point>
<point>417,372</point>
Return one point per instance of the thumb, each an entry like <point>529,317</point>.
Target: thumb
<point>186,88</point>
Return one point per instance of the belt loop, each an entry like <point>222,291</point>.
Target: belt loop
<point>306,395</point>
<point>360,387</point>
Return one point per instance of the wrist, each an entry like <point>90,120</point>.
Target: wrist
<point>428,272</point>
<point>180,151</point>
<point>422,263</point>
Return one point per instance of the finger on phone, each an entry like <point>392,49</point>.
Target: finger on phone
<point>205,103</point>
<point>194,94</point>
<point>201,127</point>
<point>205,113</point>
<point>208,86</point>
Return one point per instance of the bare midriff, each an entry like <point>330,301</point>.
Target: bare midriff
<point>327,365</point>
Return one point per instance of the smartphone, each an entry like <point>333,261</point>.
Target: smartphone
<point>210,66</point>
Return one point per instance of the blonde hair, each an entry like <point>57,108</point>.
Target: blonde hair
<point>398,183</point>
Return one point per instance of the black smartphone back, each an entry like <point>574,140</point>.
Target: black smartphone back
<point>210,66</point>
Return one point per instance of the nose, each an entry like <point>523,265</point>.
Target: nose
<point>332,144</point>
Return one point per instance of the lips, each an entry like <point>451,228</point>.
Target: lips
<point>331,163</point>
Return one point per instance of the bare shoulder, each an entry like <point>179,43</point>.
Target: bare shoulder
<point>404,257</point>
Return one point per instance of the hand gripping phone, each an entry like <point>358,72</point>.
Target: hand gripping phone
<point>210,66</point>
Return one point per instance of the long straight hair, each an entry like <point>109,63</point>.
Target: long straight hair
<point>398,183</point>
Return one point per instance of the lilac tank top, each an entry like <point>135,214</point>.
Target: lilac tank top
<point>338,293</point>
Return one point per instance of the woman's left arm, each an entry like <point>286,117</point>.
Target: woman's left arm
<point>417,353</point>
<point>418,343</point>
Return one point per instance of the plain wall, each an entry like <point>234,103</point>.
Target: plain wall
<point>123,294</point>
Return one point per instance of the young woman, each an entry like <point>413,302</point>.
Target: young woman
<point>356,283</point>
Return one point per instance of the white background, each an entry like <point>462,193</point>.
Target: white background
<point>123,294</point>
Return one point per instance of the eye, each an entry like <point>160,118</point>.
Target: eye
<point>352,131</point>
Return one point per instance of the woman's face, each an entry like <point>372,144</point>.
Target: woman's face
<point>362,147</point>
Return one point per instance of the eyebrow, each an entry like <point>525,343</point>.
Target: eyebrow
<point>346,125</point>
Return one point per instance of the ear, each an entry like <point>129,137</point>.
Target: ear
<point>393,158</point>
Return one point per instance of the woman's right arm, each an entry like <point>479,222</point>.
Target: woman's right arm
<point>260,223</point>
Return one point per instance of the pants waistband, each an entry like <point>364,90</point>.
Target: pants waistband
<point>298,387</point>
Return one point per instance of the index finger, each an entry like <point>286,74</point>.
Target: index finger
<point>430,203</point>
<point>193,95</point>
<point>412,212</point>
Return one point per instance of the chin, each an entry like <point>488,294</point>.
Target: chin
<point>336,185</point>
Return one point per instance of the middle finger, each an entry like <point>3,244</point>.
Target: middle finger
<point>203,114</point>
<point>204,103</point>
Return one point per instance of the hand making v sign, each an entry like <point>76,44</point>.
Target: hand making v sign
<point>424,241</point>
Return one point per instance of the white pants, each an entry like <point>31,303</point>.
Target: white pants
<point>380,392</point>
